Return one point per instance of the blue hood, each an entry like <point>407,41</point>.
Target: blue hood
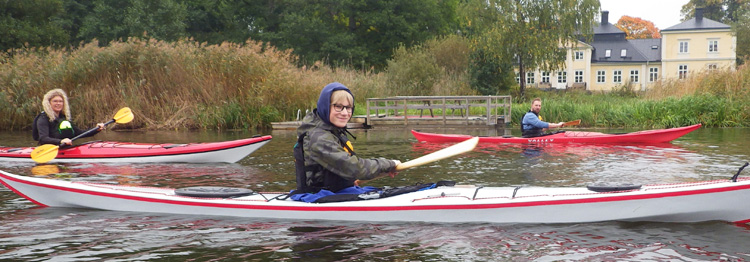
<point>324,101</point>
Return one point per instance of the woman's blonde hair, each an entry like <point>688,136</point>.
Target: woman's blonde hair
<point>340,95</point>
<point>48,107</point>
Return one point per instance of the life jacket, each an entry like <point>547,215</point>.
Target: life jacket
<point>34,130</point>
<point>533,131</point>
<point>63,127</point>
<point>329,180</point>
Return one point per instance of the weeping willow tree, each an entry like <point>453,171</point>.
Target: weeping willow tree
<point>528,33</point>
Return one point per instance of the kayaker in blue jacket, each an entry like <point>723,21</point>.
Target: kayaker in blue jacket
<point>54,126</point>
<point>324,156</point>
<point>532,124</point>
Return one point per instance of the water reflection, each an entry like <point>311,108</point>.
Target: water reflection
<point>31,233</point>
<point>74,235</point>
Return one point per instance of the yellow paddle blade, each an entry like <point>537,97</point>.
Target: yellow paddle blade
<point>447,152</point>
<point>124,116</point>
<point>44,153</point>
<point>572,123</point>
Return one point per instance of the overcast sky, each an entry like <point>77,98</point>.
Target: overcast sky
<point>663,13</point>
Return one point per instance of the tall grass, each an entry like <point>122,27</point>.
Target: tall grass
<point>715,99</point>
<point>187,84</point>
<point>183,84</point>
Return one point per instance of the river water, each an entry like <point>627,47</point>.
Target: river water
<point>30,233</point>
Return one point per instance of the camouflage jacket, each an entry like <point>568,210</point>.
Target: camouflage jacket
<point>323,147</point>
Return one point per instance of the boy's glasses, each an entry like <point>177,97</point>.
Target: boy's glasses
<point>340,108</point>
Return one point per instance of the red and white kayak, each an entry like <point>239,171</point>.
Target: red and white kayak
<point>101,152</point>
<point>720,200</point>
<point>648,136</point>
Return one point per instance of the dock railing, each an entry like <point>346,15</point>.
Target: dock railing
<point>450,109</point>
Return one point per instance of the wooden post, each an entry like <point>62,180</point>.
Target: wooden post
<point>367,118</point>
<point>406,119</point>
<point>444,109</point>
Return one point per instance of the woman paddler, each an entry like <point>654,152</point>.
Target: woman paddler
<point>53,125</point>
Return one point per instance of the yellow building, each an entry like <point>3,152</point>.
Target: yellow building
<point>697,44</point>
<point>611,61</point>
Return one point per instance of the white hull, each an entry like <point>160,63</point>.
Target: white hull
<point>687,202</point>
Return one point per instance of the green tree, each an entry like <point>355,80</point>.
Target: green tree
<point>357,32</point>
<point>741,28</point>
<point>116,19</point>
<point>72,18</point>
<point>724,11</point>
<point>33,23</point>
<point>529,33</point>
<point>231,20</point>
<point>489,76</point>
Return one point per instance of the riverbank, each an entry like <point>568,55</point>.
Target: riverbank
<point>190,85</point>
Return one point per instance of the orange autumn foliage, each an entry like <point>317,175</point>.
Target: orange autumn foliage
<point>636,28</point>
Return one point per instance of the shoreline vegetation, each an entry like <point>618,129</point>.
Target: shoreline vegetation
<point>190,85</point>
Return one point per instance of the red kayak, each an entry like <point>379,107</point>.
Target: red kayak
<point>647,136</point>
<point>101,152</point>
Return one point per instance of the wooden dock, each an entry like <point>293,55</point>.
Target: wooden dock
<point>449,111</point>
<point>439,111</point>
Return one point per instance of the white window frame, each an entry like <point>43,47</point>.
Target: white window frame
<point>608,53</point>
<point>623,53</point>
<point>562,77</point>
<point>601,76</point>
<point>518,77</point>
<point>578,76</point>
<point>653,74</point>
<point>713,45</point>
<point>682,71</point>
<point>530,78</point>
<point>545,77</point>
<point>578,56</point>
<point>635,76</point>
<point>616,76</point>
<point>684,47</point>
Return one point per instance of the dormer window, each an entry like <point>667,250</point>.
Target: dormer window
<point>623,53</point>
<point>654,47</point>
<point>608,53</point>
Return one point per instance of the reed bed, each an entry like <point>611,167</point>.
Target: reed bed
<point>170,85</point>
<point>192,85</point>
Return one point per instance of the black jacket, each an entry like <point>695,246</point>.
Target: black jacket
<point>52,133</point>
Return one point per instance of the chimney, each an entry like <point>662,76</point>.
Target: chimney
<point>605,17</point>
<point>698,14</point>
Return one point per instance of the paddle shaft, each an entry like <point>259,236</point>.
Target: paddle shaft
<point>91,130</point>
<point>450,151</point>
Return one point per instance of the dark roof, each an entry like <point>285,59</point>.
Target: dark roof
<point>637,51</point>
<point>649,48</point>
<point>607,29</point>
<point>692,24</point>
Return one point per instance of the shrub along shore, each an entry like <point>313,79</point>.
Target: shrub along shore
<point>190,85</point>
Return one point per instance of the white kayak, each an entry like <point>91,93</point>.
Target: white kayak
<point>721,200</point>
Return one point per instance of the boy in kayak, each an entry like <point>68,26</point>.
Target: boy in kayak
<point>53,126</point>
<point>324,157</point>
<point>532,124</point>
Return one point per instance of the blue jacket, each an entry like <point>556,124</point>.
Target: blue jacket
<point>531,125</point>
